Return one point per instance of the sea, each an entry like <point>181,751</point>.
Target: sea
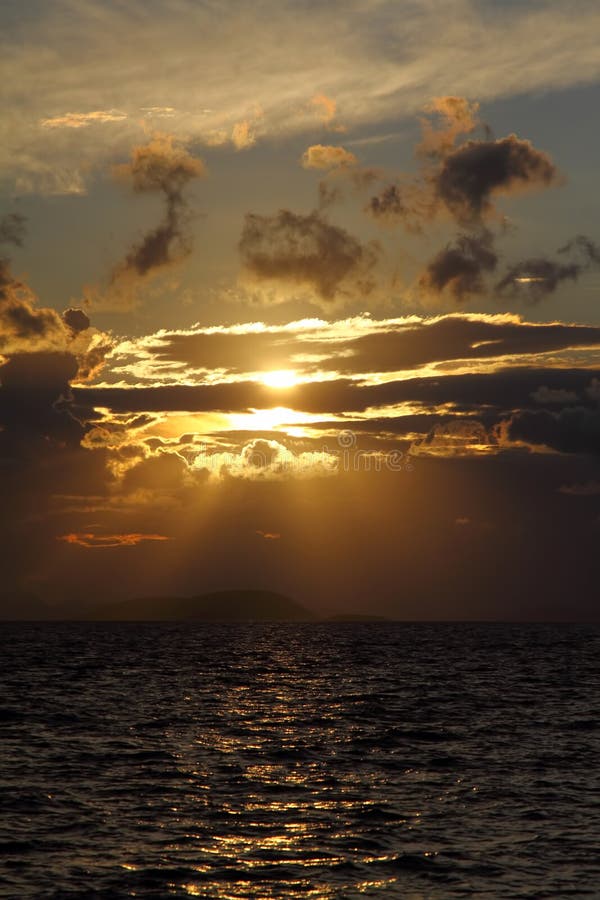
<point>293,761</point>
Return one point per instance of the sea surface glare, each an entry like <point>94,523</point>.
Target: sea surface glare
<point>299,761</point>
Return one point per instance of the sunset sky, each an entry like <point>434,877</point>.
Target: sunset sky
<point>302,297</point>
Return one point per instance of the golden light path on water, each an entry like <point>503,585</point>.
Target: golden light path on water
<point>281,833</point>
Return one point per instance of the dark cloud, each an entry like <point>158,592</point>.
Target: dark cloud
<point>585,247</point>
<point>538,277</point>
<point>401,203</point>
<point>583,489</point>
<point>162,167</point>
<point>460,268</point>
<point>306,250</point>
<point>460,177</point>
<point>477,170</point>
<point>32,385</point>
<point>41,432</point>
<point>571,430</point>
<point>76,319</point>
<point>505,390</point>
<point>23,325</point>
<point>164,472</point>
<point>26,327</point>
<point>12,229</point>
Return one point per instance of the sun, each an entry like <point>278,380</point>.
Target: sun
<point>281,378</point>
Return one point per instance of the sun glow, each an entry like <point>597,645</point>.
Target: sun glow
<point>288,421</point>
<point>281,378</point>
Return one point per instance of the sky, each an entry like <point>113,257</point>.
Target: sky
<point>301,297</point>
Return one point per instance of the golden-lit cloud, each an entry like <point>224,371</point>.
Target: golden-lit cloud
<point>242,136</point>
<point>456,116</point>
<point>93,541</point>
<point>323,156</point>
<point>326,110</point>
<point>82,120</point>
<point>163,165</point>
<point>359,347</point>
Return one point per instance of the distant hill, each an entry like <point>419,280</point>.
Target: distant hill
<point>221,606</point>
<point>357,617</point>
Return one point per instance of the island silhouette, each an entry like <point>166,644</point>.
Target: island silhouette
<point>216,606</point>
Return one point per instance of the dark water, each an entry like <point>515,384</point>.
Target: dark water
<point>315,761</point>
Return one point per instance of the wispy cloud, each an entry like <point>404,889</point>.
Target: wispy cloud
<point>82,120</point>
<point>92,541</point>
<point>102,60</point>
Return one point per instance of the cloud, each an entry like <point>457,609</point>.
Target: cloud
<point>586,489</point>
<point>549,396</point>
<point>76,319</point>
<point>264,459</point>
<point>593,390</point>
<point>325,156</point>
<point>242,136</point>
<point>269,535</point>
<point>326,109</point>
<point>476,171</point>
<point>26,327</point>
<point>356,346</point>
<point>162,472</point>
<point>461,437</point>
<point>306,250</point>
<point>457,115</point>
<point>575,429</point>
<point>463,179</point>
<point>538,277</point>
<point>585,247</point>
<point>460,269</point>
<point>91,347</point>
<point>13,229</point>
<point>23,325</point>
<point>35,415</point>
<point>162,166</point>
<point>490,397</point>
<point>95,65</point>
<point>108,541</point>
<point>82,120</point>
<point>410,204</point>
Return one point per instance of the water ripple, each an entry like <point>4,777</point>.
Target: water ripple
<point>413,761</point>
